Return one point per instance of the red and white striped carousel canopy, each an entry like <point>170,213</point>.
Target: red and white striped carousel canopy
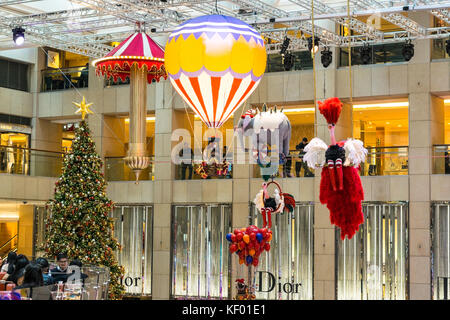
<point>138,49</point>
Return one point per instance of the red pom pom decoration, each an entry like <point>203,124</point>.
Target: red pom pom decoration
<point>331,109</point>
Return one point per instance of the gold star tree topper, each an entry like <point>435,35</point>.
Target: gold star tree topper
<point>83,107</point>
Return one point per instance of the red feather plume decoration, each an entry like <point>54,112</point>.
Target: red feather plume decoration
<point>289,202</point>
<point>330,109</point>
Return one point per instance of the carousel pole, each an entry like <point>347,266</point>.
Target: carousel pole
<point>137,158</point>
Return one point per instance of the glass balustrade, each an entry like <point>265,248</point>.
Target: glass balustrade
<point>438,50</point>
<point>32,162</point>
<point>381,53</point>
<point>385,161</point>
<point>66,78</point>
<point>380,161</point>
<point>110,82</point>
<point>441,159</point>
<point>117,170</point>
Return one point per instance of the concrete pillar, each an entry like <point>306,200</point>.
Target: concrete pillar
<point>162,209</point>
<point>421,108</point>
<point>25,232</point>
<point>426,127</point>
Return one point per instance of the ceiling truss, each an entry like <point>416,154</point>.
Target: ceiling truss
<point>90,29</point>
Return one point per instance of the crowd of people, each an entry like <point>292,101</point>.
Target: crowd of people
<point>29,274</point>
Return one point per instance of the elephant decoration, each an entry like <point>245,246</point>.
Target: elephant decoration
<point>267,128</point>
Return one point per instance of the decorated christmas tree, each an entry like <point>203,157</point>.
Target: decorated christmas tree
<point>79,223</point>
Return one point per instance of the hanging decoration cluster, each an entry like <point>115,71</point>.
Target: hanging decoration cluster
<point>340,185</point>
<point>279,203</point>
<point>215,62</point>
<point>249,243</point>
<point>79,223</point>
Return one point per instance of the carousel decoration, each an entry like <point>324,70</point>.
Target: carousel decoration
<point>340,185</point>
<point>279,203</point>
<point>215,62</point>
<point>141,60</point>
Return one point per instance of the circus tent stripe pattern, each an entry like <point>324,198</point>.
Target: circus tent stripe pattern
<point>138,44</point>
<point>138,49</point>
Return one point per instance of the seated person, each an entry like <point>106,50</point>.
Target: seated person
<point>18,270</point>
<point>32,278</point>
<point>60,272</point>
<point>48,279</point>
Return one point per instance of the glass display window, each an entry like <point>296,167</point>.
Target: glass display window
<point>200,256</point>
<point>383,127</point>
<point>133,228</point>
<point>14,153</point>
<point>373,264</point>
<point>68,135</point>
<point>440,250</point>
<point>286,271</point>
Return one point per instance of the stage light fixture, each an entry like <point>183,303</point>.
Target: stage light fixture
<point>314,46</point>
<point>408,50</point>
<point>365,54</point>
<point>288,61</point>
<point>18,35</point>
<point>326,58</point>
<point>285,46</point>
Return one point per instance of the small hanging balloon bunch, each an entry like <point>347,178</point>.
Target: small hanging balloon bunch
<point>249,243</point>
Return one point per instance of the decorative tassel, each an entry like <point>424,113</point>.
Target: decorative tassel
<point>330,109</point>
<point>339,173</point>
<point>332,175</point>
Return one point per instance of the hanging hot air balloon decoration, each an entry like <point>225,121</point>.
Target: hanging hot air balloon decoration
<point>215,62</point>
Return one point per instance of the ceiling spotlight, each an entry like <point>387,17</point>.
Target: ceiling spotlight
<point>314,46</point>
<point>365,54</point>
<point>447,46</point>
<point>285,46</point>
<point>288,61</point>
<point>327,57</point>
<point>18,35</point>
<point>408,50</point>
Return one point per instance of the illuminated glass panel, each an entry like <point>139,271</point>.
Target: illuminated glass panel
<point>133,226</point>
<point>440,259</point>
<point>373,264</point>
<point>290,259</point>
<point>200,257</point>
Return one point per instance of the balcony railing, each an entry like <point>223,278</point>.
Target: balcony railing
<point>117,170</point>
<point>380,161</point>
<point>32,162</point>
<point>385,161</point>
<point>302,60</point>
<point>438,50</point>
<point>60,79</point>
<point>190,172</point>
<point>441,159</point>
<point>110,82</point>
<point>381,53</point>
